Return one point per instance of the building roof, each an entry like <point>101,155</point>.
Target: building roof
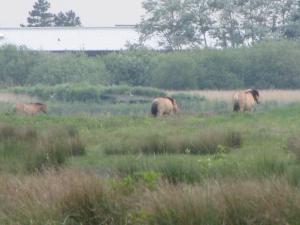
<point>72,38</point>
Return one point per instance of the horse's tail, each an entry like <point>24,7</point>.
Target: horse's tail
<point>236,103</point>
<point>236,106</point>
<point>154,108</point>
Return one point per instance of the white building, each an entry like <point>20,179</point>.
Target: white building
<point>88,39</point>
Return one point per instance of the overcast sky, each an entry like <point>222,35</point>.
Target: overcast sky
<point>91,12</point>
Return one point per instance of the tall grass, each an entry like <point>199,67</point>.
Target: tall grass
<point>250,202</point>
<point>27,149</point>
<point>72,197</point>
<point>279,95</point>
<point>219,169</point>
<point>207,142</point>
<point>68,197</point>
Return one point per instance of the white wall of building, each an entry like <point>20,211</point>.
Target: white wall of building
<point>71,38</point>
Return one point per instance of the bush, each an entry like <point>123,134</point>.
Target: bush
<point>131,67</point>
<point>265,65</point>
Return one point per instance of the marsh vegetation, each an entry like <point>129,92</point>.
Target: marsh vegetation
<point>81,164</point>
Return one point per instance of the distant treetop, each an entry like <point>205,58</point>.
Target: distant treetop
<point>40,16</point>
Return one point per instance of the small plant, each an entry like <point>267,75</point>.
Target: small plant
<point>149,178</point>
<point>234,139</point>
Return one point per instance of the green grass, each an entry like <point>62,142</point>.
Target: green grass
<point>221,168</point>
<point>263,152</point>
<point>25,149</point>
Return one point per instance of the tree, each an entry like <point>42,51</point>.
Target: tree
<point>39,16</point>
<point>166,20</point>
<point>67,19</point>
<point>182,24</point>
<point>255,16</point>
<point>228,30</point>
<point>292,30</point>
<point>201,15</point>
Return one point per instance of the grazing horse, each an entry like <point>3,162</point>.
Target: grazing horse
<point>245,100</point>
<point>31,108</point>
<point>163,106</point>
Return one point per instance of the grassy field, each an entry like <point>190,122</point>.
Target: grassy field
<point>115,164</point>
<point>117,101</point>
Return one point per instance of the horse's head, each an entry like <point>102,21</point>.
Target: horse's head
<point>41,107</point>
<point>175,106</point>
<point>44,108</point>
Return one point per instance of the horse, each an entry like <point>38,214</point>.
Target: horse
<point>163,106</point>
<point>31,108</point>
<point>245,100</point>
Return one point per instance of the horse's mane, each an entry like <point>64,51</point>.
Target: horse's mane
<point>254,93</point>
<point>37,103</point>
<point>171,99</point>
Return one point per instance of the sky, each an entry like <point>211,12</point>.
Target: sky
<point>92,13</point>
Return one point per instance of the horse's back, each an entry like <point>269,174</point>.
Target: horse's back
<point>163,106</point>
<point>243,101</point>
<point>31,108</point>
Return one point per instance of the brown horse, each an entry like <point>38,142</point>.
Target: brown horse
<point>163,106</point>
<point>31,108</point>
<point>245,100</point>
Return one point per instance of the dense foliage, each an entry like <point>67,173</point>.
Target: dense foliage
<point>266,65</point>
<point>180,24</point>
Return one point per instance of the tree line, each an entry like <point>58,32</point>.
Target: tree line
<point>181,24</point>
<point>265,65</point>
<point>190,24</point>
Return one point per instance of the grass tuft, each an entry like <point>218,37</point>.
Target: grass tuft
<point>208,142</point>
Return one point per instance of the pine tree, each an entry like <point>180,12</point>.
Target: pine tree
<point>67,19</point>
<point>39,16</point>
